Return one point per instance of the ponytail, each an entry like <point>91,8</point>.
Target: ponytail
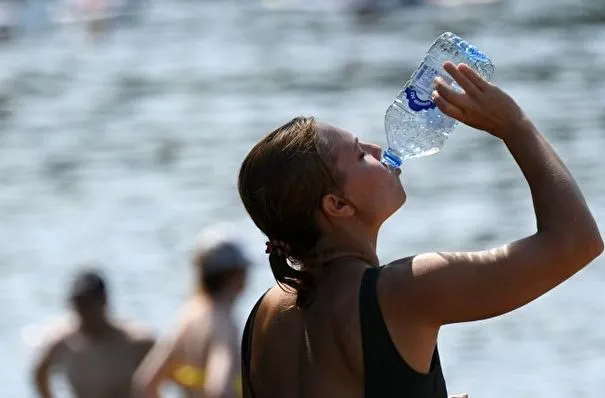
<point>302,282</point>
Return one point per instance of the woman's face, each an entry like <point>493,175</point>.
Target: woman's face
<point>373,189</point>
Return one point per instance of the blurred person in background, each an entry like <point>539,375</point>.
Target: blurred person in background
<point>101,16</point>
<point>203,354</point>
<point>8,19</point>
<point>96,14</point>
<point>97,354</point>
<point>337,324</point>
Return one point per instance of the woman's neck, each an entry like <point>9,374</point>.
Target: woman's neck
<point>345,245</point>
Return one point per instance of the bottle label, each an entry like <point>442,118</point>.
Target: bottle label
<point>415,102</point>
<point>422,83</point>
<point>425,76</point>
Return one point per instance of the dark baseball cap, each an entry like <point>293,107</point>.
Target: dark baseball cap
<point>217,250</point>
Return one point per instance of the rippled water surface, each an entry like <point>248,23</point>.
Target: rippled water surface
<point>119,151</point>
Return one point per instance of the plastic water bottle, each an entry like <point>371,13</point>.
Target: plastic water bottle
<point>414,126</point>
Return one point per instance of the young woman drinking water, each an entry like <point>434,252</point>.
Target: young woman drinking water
<point>338,324</point>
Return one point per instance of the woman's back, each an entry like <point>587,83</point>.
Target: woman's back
<point>307,353</point>
<point>339,346</point>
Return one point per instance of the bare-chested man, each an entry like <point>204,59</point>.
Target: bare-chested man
<point>97,355</point>
<point>203,354</point>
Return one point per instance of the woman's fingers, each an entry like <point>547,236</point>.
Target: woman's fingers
<point>467,85</point>
<point>469,107</point>
<point>461,100</point>
<point>473,76</point>
<point>447,107</point>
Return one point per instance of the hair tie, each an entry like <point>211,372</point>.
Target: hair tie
<point>278,247</point>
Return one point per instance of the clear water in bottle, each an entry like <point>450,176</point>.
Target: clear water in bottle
<point>414,126</point>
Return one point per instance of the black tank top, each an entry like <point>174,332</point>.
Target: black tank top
<point>387,375</point>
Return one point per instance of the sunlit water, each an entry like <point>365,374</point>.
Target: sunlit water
<point>118,152</point>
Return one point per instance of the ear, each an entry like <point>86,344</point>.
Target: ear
<point>336,206</point>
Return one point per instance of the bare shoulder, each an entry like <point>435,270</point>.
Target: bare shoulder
<point>137,332</point>
<point>396,278</point>
<point>277,320</point>
<point>410,282</point>
<point>60,331</point>
<point>275,312</point>
<point>54,339</point>
<point>278,299</point>
<point>192,309</point>
<point>276,304</point>
<point>278,313</point>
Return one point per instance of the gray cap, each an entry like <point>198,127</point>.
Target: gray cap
<point>216,250</point>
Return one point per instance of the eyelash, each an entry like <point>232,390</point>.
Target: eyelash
<point>362,155</point>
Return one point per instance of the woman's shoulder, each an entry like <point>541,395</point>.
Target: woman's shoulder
<point>277,301</point>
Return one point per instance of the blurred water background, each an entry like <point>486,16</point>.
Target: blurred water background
<point>118,150</point>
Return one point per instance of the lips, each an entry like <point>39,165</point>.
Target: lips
<point>396,171</point>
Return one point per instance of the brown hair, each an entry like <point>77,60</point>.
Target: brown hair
<point>281,183</point>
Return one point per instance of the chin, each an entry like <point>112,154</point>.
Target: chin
<point>404,197</point>
<point>396,206</point>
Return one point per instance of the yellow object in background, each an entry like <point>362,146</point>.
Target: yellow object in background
<point>193,378</point>
<point>189,376</point>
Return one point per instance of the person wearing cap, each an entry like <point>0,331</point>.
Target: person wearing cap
<point>202,355</point>
<point>97,354</point>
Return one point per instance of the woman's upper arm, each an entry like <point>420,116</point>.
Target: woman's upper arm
<point>157,365</point>
<point>442,288</point>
